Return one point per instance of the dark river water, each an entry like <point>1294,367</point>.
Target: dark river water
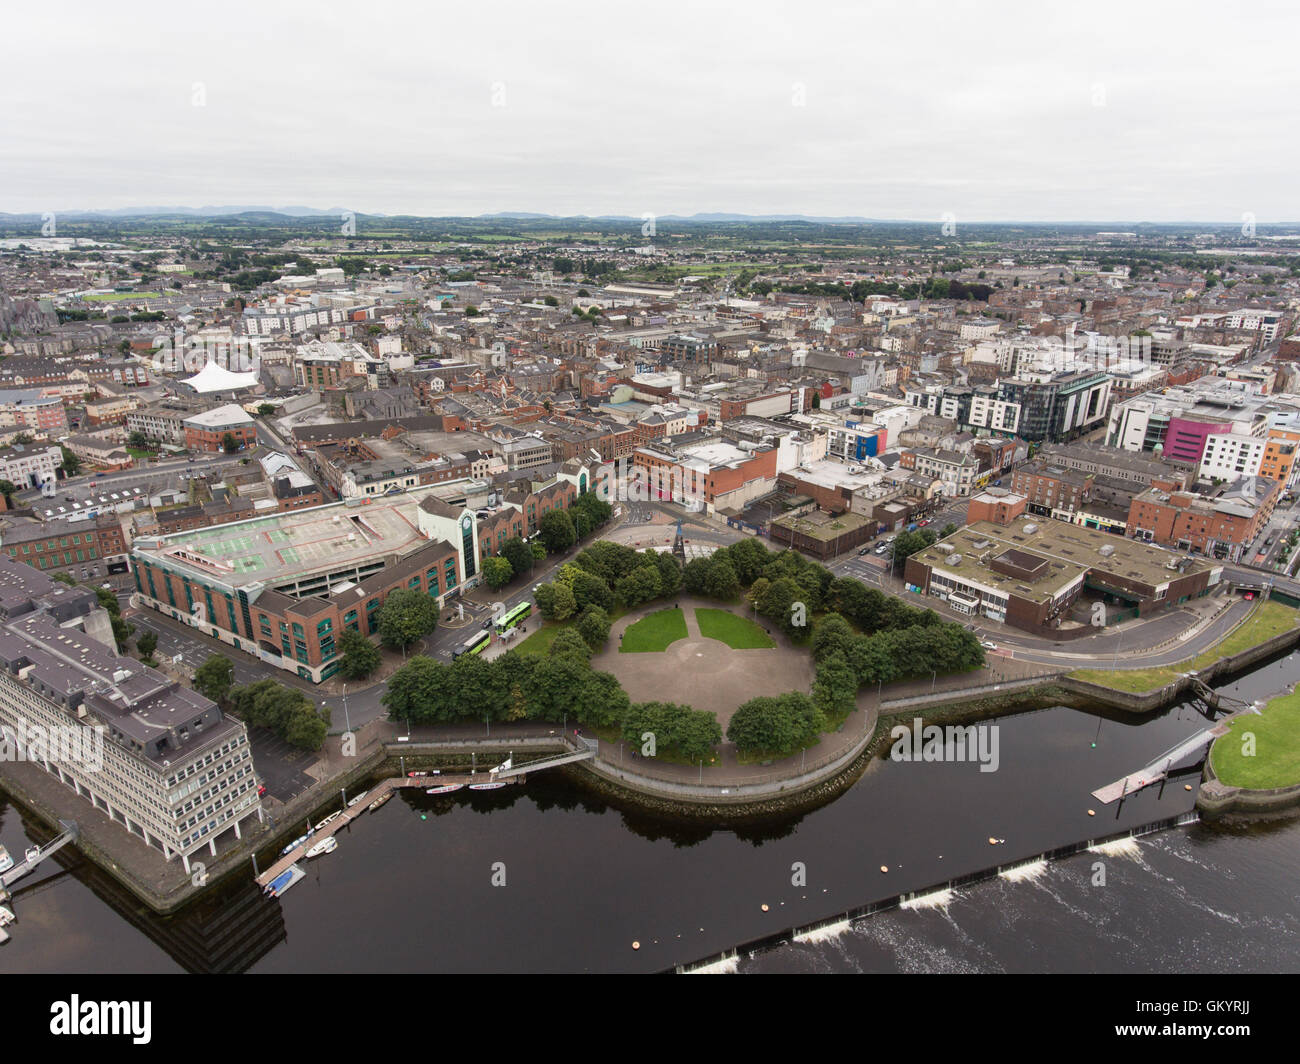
<point>546,877</point>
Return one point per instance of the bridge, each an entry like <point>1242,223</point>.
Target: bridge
<point>36,854</point>
<point>591,746</point>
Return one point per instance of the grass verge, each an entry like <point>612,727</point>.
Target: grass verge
<point>739,633</point>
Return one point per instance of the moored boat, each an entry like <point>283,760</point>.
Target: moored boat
<point>284,881</point>
<point>379,801</point>
<point>6,862</point>
<point>446,788</point>
<point>323,847</point>
<point>487,786</point>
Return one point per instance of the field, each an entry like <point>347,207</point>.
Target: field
<point>654,632</point>
<point>737,632</point>
<point>539,642</point>
<point>1276,758</point>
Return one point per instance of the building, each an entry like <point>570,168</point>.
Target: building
<point>1058,406</point>
<point>955,470</point>
<point>1220,524</point>
<point>84,544</point>
<point>32,410</point>
<point>208,430</point>
<point>155,757</point>
<point>1031,574</point>
<point>30,465</point>
<point>285,586</point>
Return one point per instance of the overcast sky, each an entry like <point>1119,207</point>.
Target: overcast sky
<point>1031,111</point>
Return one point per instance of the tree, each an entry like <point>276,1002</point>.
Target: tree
<point>640,585</point>
<point>228,443</point>
<point>570,644</point>
<point>406,616</point>
<point>138,440</point>
<point>147,644</point>
<point>7,488</point>
<point>214,678</point>
<point>562,603</point>
<point>948,530</point>
<point>418,692</point>
<point>359,657</point>
<point>497,572</point>
<point>835,687</point>
<point>833,635</point>
<point>266,409</point>
<point>518,554</point>
<point>557,531</point>
<point>71,464</point>
<point>775,726</point>
<point>593,626</point>
<point>748,558</point>
<point>722,582</point>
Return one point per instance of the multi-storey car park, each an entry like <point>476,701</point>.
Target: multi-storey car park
<point>285,586</point>
<point>155,757</point>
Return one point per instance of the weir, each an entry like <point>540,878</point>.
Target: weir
<point>809,932</point>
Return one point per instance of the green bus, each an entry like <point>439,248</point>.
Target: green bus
<point>475,644</point>
<point>504,624</point>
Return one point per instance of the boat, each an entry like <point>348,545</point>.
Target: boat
<point>487,786</point>
<point>285,880</point>
<point>359,798</point>
<point>6,862</point>
<point>324,846</point>
<point>328,820</point>
<point>446,788</point>
<point>379,801</point>
<point>416,775</point>
<point>33,854</point>
<point>7,916</point>
<point>296,843</point>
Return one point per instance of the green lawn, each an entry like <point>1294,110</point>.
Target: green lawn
<point>737,632</point>
<point>1276,760</point>
<point>539,642</point>
<point>654,632</point>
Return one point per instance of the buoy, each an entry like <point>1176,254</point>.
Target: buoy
<point>884,868</point>
<point>992,841</point>
<point>1092,812</point>
<point>1187,786</point>
<point>636,945</point>
<point>765,907</point>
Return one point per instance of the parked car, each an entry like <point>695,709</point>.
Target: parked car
<point>988,646</point>
<point>922,523</point>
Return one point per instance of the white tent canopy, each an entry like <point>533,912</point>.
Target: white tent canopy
<point>215,378</point>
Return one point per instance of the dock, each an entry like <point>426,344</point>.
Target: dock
<point>503,772</point>
<point>1158,769</point>
<point>36,854</point>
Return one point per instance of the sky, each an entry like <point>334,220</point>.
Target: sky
<point>1097,111</point>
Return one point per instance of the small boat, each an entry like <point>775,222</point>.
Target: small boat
<point>446,788</point>
<point>284,881</point>
<point>6,862</point>
<point>359,798</point>
<point>487,786</point>
<point>324,846</point>
<point>328,820</point>
<point>296,843</point>
<point>417,775</point>
<point>379,801</point>
<point>7,916</point>
<point>33,854</point>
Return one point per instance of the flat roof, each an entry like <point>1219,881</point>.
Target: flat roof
<point>823,526</point>
<point>287,546</point>
<point>1069,550</point>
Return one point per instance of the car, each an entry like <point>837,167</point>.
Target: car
<point>864,550</point>
<point>486,624</point>
<point>261,790</point>
<point>922,523</point>
<point>987,645</point>
<point>1248,595</point>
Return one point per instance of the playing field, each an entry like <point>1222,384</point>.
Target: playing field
<point>737,632</point>
<point>654,632</point>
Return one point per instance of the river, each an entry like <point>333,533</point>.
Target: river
<point>547,877</point>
